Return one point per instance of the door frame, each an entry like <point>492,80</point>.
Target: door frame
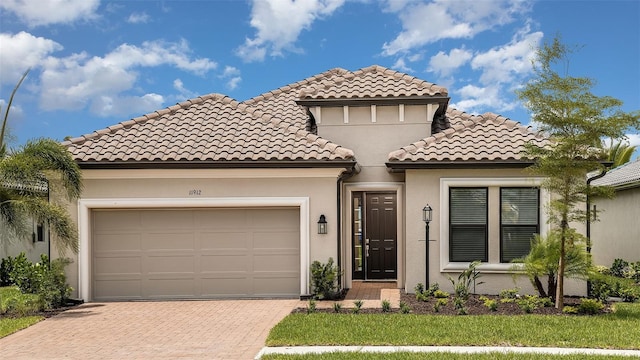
<point>347,218</point>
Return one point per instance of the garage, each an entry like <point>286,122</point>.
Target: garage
<point>140,254</point>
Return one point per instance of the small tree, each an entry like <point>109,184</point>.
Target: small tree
<point>23,174</point>
<point>544,257</point>
<point>576,121</point>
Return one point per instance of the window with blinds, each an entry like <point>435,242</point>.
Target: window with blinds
<point>468,224</point>
<point>519,221</point>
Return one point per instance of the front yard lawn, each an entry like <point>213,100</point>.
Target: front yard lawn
<point>10,325</point>
<point>435,356</point>
<point>617,330</point>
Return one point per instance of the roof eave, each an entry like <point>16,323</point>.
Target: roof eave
<point>408,100</point>
<point>231,164</point>
<point>399,166</point>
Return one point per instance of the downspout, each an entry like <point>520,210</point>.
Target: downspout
<point>345,175</point>
<point>589,180</point>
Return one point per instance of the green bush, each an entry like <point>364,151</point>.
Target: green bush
<point>489,303</point>
<point>311,307</point>
<point>440,294</point>
<point>423,294</point>
<point>46,278</point>
<point>324,280</point>
<point>570,310</point>
<point>404,308</point>
<point>590,306</point>
<point>386,306</point>
<point>357,305</point>
<point>529,303</point>
<point>604,285</point>
<point>13,302</point>
<point>440,303</point>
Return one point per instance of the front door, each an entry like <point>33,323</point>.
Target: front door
<point>375,235</point>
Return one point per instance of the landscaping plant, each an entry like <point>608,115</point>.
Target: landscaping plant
<point>324,280</point>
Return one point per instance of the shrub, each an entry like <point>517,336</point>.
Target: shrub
<point>423,294</point>
<point>311,307</point>
<point>440,303</point>
<point>386,305</point>
<point>489,303</point>
<point>337,307</point>
<point>619,268</point>
<point>15,303</point>
<point>404,308</point>
<point>440,294</point>
<point>510,294</point>
<point>462,287</point>
<point>529,303</point>
<point>570,310</point>
<point>590,306</point>
<point>357,306</point>
<point>45,278</point>
<point>324,279</point>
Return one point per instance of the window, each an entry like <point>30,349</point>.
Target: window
<point>519,221</point>
<point>468,224</point>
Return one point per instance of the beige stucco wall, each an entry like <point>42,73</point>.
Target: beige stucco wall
<point>425,187</point>
<point>318,185</point>
<point>617,234</point>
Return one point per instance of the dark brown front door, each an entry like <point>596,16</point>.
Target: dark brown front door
<point>375,248</point>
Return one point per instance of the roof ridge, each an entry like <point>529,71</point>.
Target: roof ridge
<point>296,85</point>
<point>145,118</point>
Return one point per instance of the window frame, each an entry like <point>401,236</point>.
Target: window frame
<point>493,266</point>
<point>485,226</point>
<point>537,225</point>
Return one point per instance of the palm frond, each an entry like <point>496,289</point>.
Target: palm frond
<point>5,117</point>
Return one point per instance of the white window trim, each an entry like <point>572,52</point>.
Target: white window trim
<point>446,183</point>
<point>84,225</point>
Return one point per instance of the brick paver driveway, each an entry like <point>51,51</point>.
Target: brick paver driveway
<point>224,329</point>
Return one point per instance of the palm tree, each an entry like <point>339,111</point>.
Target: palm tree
<point>619,153</point>
<point>25,177</point>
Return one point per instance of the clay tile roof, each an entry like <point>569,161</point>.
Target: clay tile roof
<point>472,138</point>
<point>370,82</point>
<point>627,175</point>
<point>209,128</point>
<point>282,101</point>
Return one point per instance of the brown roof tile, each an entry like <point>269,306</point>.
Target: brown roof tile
<point>472,138</point>
<point>207,128</point>
<point>370,82</point>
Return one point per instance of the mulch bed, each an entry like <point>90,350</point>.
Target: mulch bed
<point>474,306</point>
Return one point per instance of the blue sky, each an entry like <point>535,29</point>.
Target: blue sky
<point>95,63</point>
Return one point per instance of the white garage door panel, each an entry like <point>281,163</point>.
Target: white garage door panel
<point>195,253</point>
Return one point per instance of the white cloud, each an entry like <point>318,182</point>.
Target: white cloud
<point>21,52</point>
<point>79,80</point>
<point>634,139</point>
<point>47,12</point>
<point>425,23</point>
<point>185,93</point>
<point>444,64</point>
<point>138,18</point>
<point>279,23</point>
<point>478,100</point>
<point>400,65</point>
<point>505,63</point>
<point>126,105</point>
<point>232,76</point>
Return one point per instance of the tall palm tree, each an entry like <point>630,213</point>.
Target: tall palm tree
<point>25,176</point>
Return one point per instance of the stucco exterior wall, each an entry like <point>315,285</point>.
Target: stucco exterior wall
<point>426,187</point>
<point>318,185</point>
<point>617,234</point>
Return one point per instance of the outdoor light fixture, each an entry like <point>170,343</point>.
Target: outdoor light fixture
<point>322,225</point>
<point>427,213</point>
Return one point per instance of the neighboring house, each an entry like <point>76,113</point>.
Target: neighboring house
<point>37,241</point>
<point>218,198</point>
<point>617,233</point>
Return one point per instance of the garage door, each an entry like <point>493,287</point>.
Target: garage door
<point>195,253</point>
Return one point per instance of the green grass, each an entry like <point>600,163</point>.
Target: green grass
<point>10,325</point>
<point>434,356</point>
<point>618,330</point>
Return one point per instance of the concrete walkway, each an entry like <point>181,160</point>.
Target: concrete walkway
<point>451,349</point>
<point>223,329</point>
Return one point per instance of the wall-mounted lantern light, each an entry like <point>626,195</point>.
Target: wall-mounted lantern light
<point>322,225</point>
<point>427,213</point>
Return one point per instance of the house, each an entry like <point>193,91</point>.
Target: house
<point>217,198</point>
<point>617,233</point>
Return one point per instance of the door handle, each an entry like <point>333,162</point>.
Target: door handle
<point>366,247</point>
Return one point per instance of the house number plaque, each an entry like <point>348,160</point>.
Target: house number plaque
<point>195,192</point>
